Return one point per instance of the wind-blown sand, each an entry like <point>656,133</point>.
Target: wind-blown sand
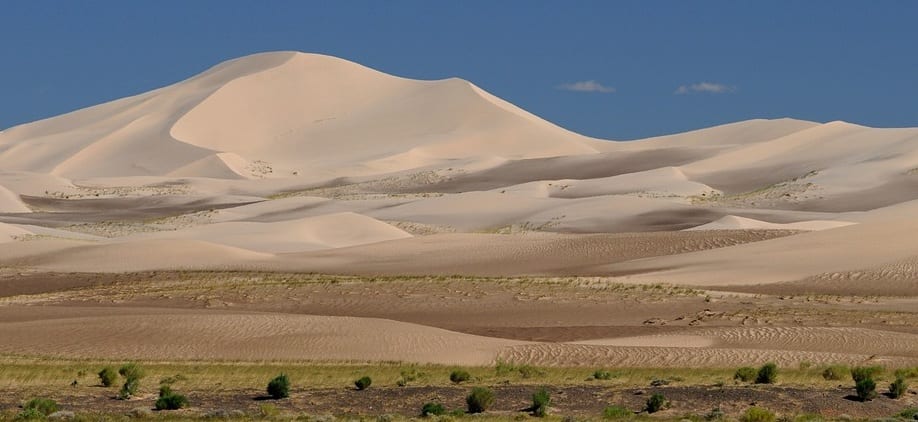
<point>343,169</point>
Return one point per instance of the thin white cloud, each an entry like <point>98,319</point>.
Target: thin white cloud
<point>708,87</point>
<point>587,86</point>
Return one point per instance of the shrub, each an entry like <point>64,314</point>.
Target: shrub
<point>745,374</point>
<point>129,389</point>
<point>716,414</point>
<point>866,389</point>
<point>540,402</point>
<point>602,375</point>
<point>757,414</point>
<point>363,383</point>
<point>479,400</point>
<point>132,370</point>
<point>910,413</point>
<point>835,372</point>
<point>768,374</point>
<point>279,387</point>
<point>28,414</point>
<point>41,405</point>
<point>169,400</point>
<point>108,376</point>
<point>459,376</point>
<point>898,388</point>
<point>864,372</point>
<point>616,412</point>
<point>655,403</point>
<point>432,408</point>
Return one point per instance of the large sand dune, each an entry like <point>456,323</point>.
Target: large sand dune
<point>300,162</point>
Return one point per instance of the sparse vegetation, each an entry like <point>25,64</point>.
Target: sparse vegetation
<point>432,409</point>
<point>656,403</point>
<point>768,374</point>
<point>745,374</point>
<point>601,374</point>
<point>835,372</point>
<point>279,387</point>
<point>108,376</point>
<point>541,400</point>
<point>408,375</point>
<point>38,406</point>
<point>170,400</point>
<point>459,376</point>
<point>479,400</point>
<point>758,414</point>
<point>898,388</point>
<point>616,412</point>
<point>363,383</point>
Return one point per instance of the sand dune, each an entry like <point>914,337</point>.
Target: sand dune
<point>10,202</point>
<point>732,222</point>
<point>322,232</point>
<point>171,334</point>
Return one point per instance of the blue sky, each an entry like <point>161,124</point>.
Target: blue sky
<point>611,69</point>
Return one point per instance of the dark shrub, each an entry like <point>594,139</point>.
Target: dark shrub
<point>108,376</point>
<point>479,400</point>
<point>835,372</point>
<point>616,412</point>
<point>866,389</point>
<point>170,400</point>
<point>279,387</point>
<point>540,402</point>
<point>41,405</point>
<point>768,374</point>
<point>745,374</point>
<point>898,388</point>
<point>459,376</point>
<point>655,403</point>
<point>757,414</point>
<point>363,383</point>
<point>432,408</point>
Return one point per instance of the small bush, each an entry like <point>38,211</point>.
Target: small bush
<point>279,387</point>
<point>716,414</point>
<point>655,403</point>
<point>479,400</point>
<point>108,376</point>
<point>835,372</point>
<point>408,375</point>
<point>431,408</point>
<point>41,405</point>
<point>28,414</point>
<point>768,374</point>
<point>898,388</point>
<point>616,412</point>
<point>602,375</point>
<point>363,383</point>
<point>757,414</point>
<point>129,389</point>
<point>866,389</point>
<point>745,374</point>
<point>540,402</point>
<point>170,400</point>
<point>864,372</point>
<point>910,413</point>
<point>459,376</point>
<point>132,370</point>
<point>268,410</point>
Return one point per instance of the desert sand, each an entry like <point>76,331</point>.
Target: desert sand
<point>284,164</point>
